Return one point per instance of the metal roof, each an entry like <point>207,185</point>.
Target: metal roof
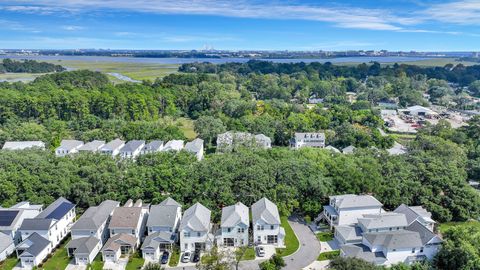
<point>355,201</point>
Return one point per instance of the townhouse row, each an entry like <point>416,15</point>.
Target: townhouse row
<point>116,231</point>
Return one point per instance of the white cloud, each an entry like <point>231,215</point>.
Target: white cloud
<point>72,27</point>
<point>458,12</point>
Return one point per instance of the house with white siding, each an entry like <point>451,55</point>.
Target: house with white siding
<point>12,218</point>
<point>195,228</point>
<point>93,146</point>
<point>112,148</point>
<point>311,139</point>
<point>152,147</point>
<point>266,224</point>
<point>132,149</point>
<point>173,145</point>
<point>22,145</point>
<point>234,226</point>
<point>195,147</point>
<point>68,147</point>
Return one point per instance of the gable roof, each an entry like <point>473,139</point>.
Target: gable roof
<point>20,145</point>
<point>170,201</point>
<point>349,149</point>
<point>92,146</point>
<point>162,215</point>
<point>425,234</point>
<point>83,245</point>
<point>176,145</point>
<point>363,252</point>
<point>35,244</point>
<point>265,210</point>
<point>115,242</point>
<point>112,145</point>
<point>349,233</point>
<point>95,216</point>
<point>58,209</point>
<point>194,146</point>
<point>70,144</point>
<point>125,217</point>
<point>155,239</point>
<point>414,212</point>
<point>197,218</point>
<point>355,201</point>
<point>383,220</point>
<point>331,148</point>
<point>33,224</point>
<point>132,146</point>
<point>394,239</point>
<point>153,146</point>
<point>234,214</point>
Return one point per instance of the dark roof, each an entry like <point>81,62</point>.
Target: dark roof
<point>57,209</point>
<point>83,245</point>
<point>153,146</point>
<point>7,217</point>
<point>425,234</point>
<point>132,146</point>
<point>155,239</point>
<point>36,244</point>
<point>31,224</point>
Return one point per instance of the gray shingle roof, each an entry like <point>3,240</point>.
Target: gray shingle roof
<point>173,145</point>
<point>69,144</point>
<point>194,146</point>
<point>112,145</point>
<point>384,220</point>
<point>5,241</point>
<point>394,239</point>
<point>116,241</point>
<point>266,210</point>
<point>349,149</point>
<point>425,234</point>
<point>33,224</point>
<point>83,245</point>
<point>153,146</point>
<point>132,146</point>
<point>355,201</point>
<point>361,251</point>
<point>162,215</point>
<point>413,212</point>
<point>170,201</point>
<point>234,214</point>
<point>155,239</point>
<point>125,217</point>
<point>95,216</point>
<point>92,146</point>
<point>36,244</point>
<point>349,233</point>
<point>197,217</point>
<point>54,207</point>
<point>332,149</point>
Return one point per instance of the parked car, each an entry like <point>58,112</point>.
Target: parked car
<point>196,256</point>
<point>164,259</point>
<point>260,251</point>
<point>187,256</point>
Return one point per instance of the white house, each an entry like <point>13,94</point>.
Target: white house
<point>12,218</point>
<point>117,246</point>
<point>132,149</point>
<point>173,145</point>
<point>162,226</point>
<point>416,213</point>
<point>112,148</point>
<point>90,232</point>
<point>33,250</point>
<point>53,223</point>
<point>68,147</point>
<point>152,147</point>
<point>129,219</point>
<point>234,225</point>
<point>311,139</point>
<point>195,147</point>
<point>93,146</point>
<point>267,224</point>
<point>195,229</point>
<point>22,145</point>
<point>419,111</point>
<point>347,209</point>
<point>349,149</point>
<point>7,246</point>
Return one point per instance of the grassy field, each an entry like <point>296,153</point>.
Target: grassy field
<point>249,254</point>
<point>59,259</point>
<point>9,263</point>
<point>97,264</point>
<point>24,77</point>
<point>135,262</point>
<point>136,71</point>
<point>328,255</point>
<point>324,236</point>
<point>291,241</point>
<point>174,258</point>
<point>445,226</point>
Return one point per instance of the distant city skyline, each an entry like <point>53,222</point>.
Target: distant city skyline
<point>394,25</point>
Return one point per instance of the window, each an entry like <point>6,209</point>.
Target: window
<point>186,234</point>
<point>133,231</point>
<point>241,230</point>
<point>198,234</point>
<point>421,250</point>
<point>229,229</point>
<point>260,227</point>
<point>413,250</point>
<point>272,227</point>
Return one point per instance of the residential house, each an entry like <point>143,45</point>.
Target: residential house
<point>347,209</point>
<point>316,140</point>
<point>112,148</point>
<point>349,149</point>
<point>22,145</point>
<point>333,149</point>
<point>53,223</point>
<point>118,245</point>
<point>234,225</point>
<point>417,213</point>
<point>68,147</point>
<point>195,147</point>
<point>267,224</point>
<point>132,149</point>
<point>93,146</point>
<point>195,229</point>
<point>231,140</point>
<point>152,147</point>
<point>263,141</point>
<point>33,250</point>
<point>12,218</point>
<point>7,246</point>
<point>90,232</point>
<point>162,227</point>
<point>419,111</point>
<point>173,145</point>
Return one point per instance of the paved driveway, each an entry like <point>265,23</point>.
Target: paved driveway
<point>309,246</point>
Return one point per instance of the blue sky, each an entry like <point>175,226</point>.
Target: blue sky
<point>423,25</point>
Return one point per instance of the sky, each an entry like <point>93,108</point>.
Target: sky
<point>421,25</point>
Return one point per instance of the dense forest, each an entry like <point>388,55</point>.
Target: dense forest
<point>28,66</point>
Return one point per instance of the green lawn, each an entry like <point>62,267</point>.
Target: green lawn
<point>291,241</point>
<point>97,264</point>
<point>9,263</point>
<point>135,262</point>
<point>59,259</point>
<point>325,236</point>
<point>174,258</point>
<point>328,255</point>
<point>249,254</point>
<point>445,226</point>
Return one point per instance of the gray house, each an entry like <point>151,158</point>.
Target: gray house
<point>33,250</point>
<point>93,146</point>
<point>195,147</point>
<point>112,148</point>
<point>68,147</point>
<point>152,147</point>
<point>132,149</point>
